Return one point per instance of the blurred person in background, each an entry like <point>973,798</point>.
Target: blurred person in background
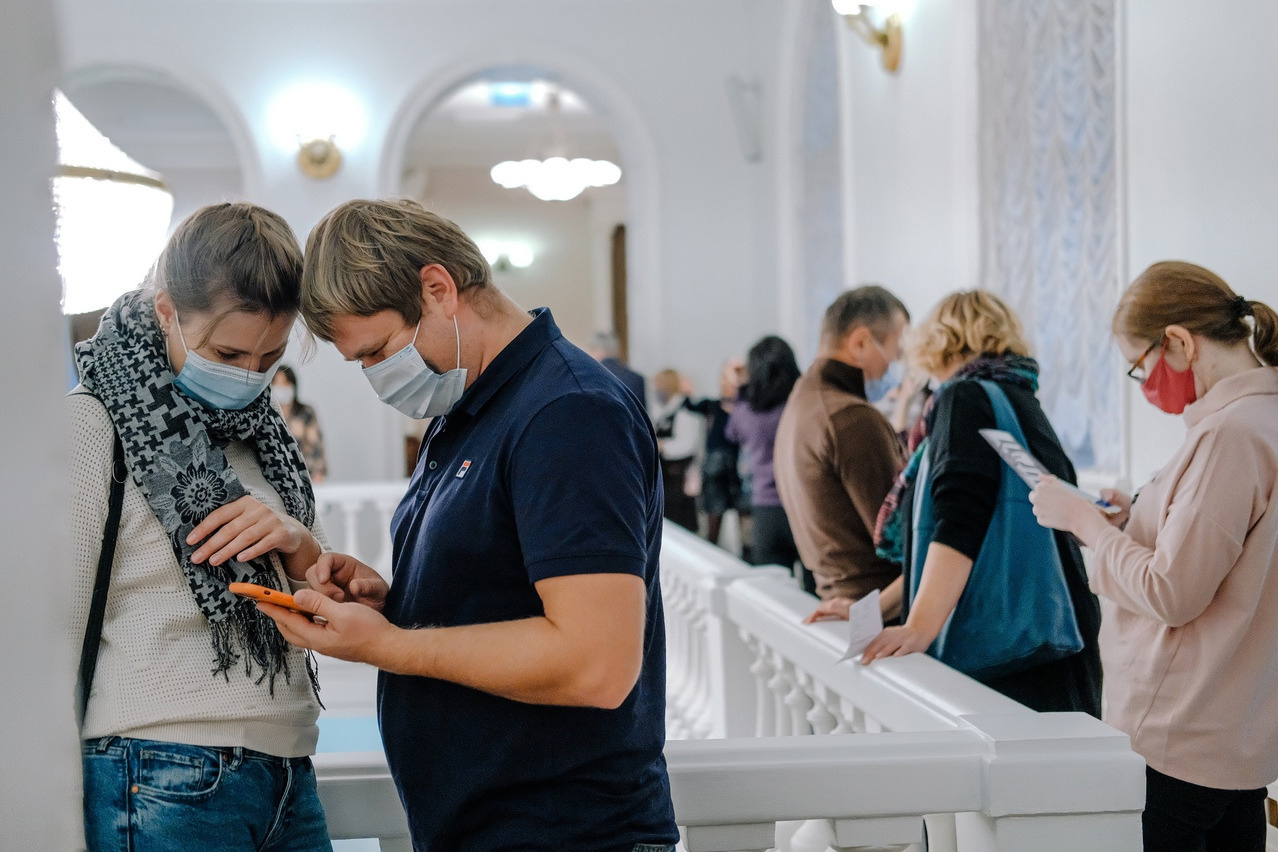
<point>606,349</point>
<point>301,421</point>
<point>836,454</point>
<point>770,373</point>
<point>679,438</point>
<point>720,480</point>
<point>970,338</point>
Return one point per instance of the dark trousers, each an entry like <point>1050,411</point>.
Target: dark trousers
<point>774,543</point>
<point>1184,817</point>
<point>680,508</point>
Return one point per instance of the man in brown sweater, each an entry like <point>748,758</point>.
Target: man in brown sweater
<point>836,455</point>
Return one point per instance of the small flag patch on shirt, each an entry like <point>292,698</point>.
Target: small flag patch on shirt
<point>465,467</point>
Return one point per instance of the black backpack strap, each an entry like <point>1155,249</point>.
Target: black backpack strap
<point>106,558</point>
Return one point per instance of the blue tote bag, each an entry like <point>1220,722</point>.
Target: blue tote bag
<point>1015,612</point>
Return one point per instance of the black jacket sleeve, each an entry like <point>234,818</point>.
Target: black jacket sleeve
<point>964,469</point>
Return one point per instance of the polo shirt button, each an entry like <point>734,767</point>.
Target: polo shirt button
<point>433,464</point>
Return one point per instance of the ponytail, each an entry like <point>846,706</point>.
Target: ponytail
<point>1177,293</point>
<point>1265,335</point>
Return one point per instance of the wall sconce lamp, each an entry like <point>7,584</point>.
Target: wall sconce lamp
<point>316,121</point>
<point>886,36</point>
<point>504,256</point>
<point>319,158</point>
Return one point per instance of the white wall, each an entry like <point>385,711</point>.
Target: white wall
<point>196,188</point>
<point>1201,160</point>
<point>560,276</point>
<point>912,157</point>
<point>700,218</point>
<point>910,160</point>
<point>40,781</point>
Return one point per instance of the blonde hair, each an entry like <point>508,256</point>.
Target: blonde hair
<point>1174,292</point>
<point>966,326</point>
<point>667,380</point>
<point>366,256</point>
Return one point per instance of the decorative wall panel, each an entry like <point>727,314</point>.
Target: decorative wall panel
<point>821,215</point>
<point>1049,203</point>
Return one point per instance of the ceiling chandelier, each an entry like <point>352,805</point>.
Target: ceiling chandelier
<point>555,178</point>
<point>113,214</point>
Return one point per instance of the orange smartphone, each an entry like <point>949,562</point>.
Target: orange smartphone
<point>268,595</point>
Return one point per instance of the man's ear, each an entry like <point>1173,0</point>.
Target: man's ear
<point>854,344</point>
<point>439,288</point>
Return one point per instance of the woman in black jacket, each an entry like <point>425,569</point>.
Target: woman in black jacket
<point>971,337</point>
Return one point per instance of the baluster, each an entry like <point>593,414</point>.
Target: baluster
<point>765,719</point>
<point>843,710</point>
<point>688,687</point>
<point>684,691</point>
<point>675,656</point>
<point>704,710</point>
<point>778,687</point>
<point>350,518</point>
<point>798,702</point>
<point>822,719</point>
<point>856,717</point>
<point>678,652</point>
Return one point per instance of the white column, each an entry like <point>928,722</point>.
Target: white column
<point>39,801</point>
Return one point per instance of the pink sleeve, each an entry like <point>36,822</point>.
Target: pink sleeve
<point>1198,542</point>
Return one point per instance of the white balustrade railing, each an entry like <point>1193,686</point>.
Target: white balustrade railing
<point>774,743</point>
<point>356,518</point>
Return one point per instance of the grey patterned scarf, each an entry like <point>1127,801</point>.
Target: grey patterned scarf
<point>174,449</point>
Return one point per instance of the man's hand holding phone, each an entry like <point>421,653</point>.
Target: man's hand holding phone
<point>347,631</point>
<point>345,579</point>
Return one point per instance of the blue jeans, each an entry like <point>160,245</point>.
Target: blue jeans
<point>148,796</point>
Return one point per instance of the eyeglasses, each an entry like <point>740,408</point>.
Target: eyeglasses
<point>1137,372</point>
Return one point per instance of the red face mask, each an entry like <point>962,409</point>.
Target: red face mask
<point>1168,389</point>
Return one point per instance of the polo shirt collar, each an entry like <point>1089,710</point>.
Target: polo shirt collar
<point>517,355</point>
<point>843,376</point>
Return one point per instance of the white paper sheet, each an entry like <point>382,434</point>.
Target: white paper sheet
<point>865,622</point>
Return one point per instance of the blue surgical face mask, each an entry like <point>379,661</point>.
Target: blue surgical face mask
<point>407,384</point>
<point>876,389</point>
<point>215,385</point>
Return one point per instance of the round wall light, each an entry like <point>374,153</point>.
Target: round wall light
<point>318,121</point>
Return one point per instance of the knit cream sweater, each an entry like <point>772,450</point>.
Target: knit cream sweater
<point>154,677</point>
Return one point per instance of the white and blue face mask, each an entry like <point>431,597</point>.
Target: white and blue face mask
<point>876,389</point>
<point>407,384</point>
<point>215,385</point>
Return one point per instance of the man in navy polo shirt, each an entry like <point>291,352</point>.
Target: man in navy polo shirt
<point>521,645</point>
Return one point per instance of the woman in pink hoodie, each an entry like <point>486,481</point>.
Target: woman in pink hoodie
<point>1188,574</point>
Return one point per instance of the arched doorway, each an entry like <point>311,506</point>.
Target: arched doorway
<point>561,253</point>
<point>639,207</point>
<point>555,252</point>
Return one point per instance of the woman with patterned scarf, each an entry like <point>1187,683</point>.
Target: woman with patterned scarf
<point>201,719</point>
<point>968,338</point>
